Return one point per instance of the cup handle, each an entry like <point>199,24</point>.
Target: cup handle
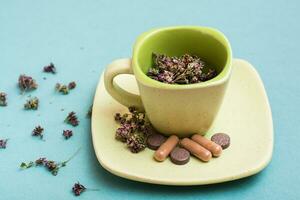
<point>117,67</point>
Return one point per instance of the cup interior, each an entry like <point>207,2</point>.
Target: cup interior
<point>207,43</point>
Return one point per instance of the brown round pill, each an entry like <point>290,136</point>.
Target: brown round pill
<point>155,140</point>
<point>180,156</point>
<point>221,139</point>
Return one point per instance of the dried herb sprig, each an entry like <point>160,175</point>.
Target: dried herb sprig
<point>38,131</point>
<point>186,69</point>
<point>67,134</point>
<point>27,83</point>
<point>32,104</point>
<point>78,189</point>
<point>50,68</point>
<point>72,119</point>
<point>51,165</point>
<point>133,129</point>
<point>3,99</point>
<point>3,143</point>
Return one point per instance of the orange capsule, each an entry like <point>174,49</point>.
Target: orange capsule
<point>165,149</point>
<point>196,149</point>
<point>214,148</point>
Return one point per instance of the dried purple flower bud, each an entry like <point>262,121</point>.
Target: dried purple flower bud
<point>26,83</point>
<point>50,68</point>
<point>3,99</point>
<point>32,104</point>
<point>3,143</point>
<point>72,119</point>
<point>72,85</point>
<point>40,161</point>
<point>38,131</point>
<point>67,134</point>
<point>78,189</point>
<point>123,133</point>
<point>62,88</point>
<point>117,117</point>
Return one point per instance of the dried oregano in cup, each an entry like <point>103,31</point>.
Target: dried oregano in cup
<point>186,69</point>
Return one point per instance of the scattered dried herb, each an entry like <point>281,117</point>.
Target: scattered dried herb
<point>78,189</point>
<point>32,104</point>
<point>62,88</point>
<point>133,129</point>
<point>65,89</point>
<point>72,119</point>
<point>186,69</point>
<point>27,83</point>
<point>38,131</point>
<point>67,134</point>
<point>90,112</point>
<point>3,99</point>
<point>26,165</point>
<point>50,68</point>
<point>72,85</point>
<point>3,143</point>
<point>51,165</point>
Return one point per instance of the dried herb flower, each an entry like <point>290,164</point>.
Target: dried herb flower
<point>38,131</point>
<point>133,129</point>
<point>50,68</point>
<point>72,85</point>
<point>186,69</point>
<point>136,143</point>
<point>78,189</point>
<point>67,134</point>
<point>3,143</point>
<point>32,104</point>
<point>27,83</point>
<point>62,88</point>
<point>40,161</point>
<point>3,99</point>
<point>72,119</point>
<point>51,165</point>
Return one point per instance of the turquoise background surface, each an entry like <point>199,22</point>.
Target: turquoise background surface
<point>82,37</point>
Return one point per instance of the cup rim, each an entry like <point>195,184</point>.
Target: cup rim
<point>222,77</point>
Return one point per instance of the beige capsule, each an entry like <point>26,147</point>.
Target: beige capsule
<point>165,149</point>
<point>196,149</point>
<point>214,148</point>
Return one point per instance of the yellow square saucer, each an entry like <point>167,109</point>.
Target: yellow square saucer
<point>245,115</point>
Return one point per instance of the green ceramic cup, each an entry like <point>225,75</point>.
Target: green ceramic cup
<point>175,109</point>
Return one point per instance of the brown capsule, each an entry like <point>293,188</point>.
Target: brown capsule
<point>164,150</point>
<point>214,148</point>
<point>196,149</point>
